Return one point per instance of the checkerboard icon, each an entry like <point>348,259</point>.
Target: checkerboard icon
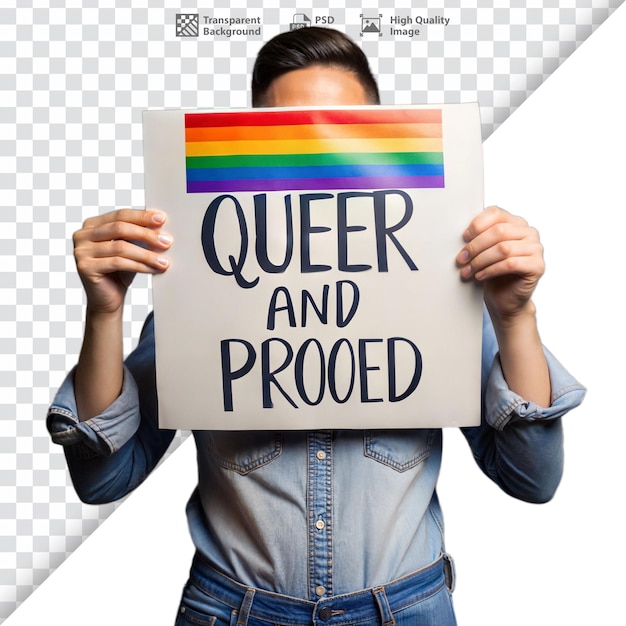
<point>187,24</point>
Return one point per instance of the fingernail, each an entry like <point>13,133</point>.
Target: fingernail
<point>466,272</point>
<point>158,218</point>
<point>165,239</point>
<point>162,261</point>
<point>463,256</point>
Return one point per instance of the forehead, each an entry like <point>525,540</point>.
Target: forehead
<point>316,86</point>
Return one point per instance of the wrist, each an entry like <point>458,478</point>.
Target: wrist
<point>523,317</point>
<point>96,315</point>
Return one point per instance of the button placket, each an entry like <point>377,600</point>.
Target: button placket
<point>319,506</point>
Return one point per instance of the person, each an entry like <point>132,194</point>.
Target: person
<point>320,527</point>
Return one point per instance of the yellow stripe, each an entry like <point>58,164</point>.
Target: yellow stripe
<point>312,146</point>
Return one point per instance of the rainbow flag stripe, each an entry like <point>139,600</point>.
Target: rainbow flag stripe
<point>319,149</point>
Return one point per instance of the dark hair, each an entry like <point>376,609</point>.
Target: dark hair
<point>305,47</point>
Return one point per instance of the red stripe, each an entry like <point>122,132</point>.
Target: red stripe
<point>321,116</point>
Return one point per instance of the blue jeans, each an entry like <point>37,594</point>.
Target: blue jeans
<point>419,599</point>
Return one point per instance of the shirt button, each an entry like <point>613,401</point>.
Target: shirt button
<point>320,524</point>
<point>320,590</point>
<point>321,455</point>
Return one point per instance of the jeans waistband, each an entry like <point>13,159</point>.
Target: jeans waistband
<point>379,601</point>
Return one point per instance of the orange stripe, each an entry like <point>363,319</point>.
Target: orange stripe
<point>313,131</point>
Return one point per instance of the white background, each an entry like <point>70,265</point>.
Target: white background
<point>559,160</point>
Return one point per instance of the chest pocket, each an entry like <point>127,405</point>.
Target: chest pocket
<point>244,451</point>
<point>401,450</point>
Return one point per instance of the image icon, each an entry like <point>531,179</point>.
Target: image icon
<point>371,24</point>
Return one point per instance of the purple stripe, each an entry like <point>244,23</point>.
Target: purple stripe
<point>301,184</point>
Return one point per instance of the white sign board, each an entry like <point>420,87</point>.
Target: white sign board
<point>313,281</point>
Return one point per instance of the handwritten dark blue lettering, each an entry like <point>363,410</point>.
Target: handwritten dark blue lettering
<point>208,243</point>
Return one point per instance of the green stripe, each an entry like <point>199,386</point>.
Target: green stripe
<point>283,160</point>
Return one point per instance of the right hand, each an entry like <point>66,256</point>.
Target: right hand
<point>109,252</point>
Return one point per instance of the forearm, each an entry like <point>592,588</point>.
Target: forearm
<point>522,357</point>
<point>99,374</point>
<point>109,250</point>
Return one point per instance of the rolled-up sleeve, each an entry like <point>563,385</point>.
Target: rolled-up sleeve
<point>519,444</point>
<point>103,434</point>
<point>503,406</point>
<point>112,453</point>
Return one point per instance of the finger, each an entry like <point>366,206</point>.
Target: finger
<point>97,267</point>
<point>120,249</point>
<point>488,218</point>
<point>523,266</point>
<point>497,234</point>
<point>126,231</point>
<point>148,218</point>
<point>112,256</point>
<point>509,257</point>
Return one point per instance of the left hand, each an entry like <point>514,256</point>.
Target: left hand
<point>504,253</point>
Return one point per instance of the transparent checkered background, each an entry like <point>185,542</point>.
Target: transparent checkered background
<point>75,79</point>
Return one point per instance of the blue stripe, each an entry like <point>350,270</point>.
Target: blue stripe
<point>322,171</point>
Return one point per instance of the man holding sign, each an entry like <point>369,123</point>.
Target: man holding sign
<point>315,526</point>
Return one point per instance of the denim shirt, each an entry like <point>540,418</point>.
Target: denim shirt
<point>321,513</point>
